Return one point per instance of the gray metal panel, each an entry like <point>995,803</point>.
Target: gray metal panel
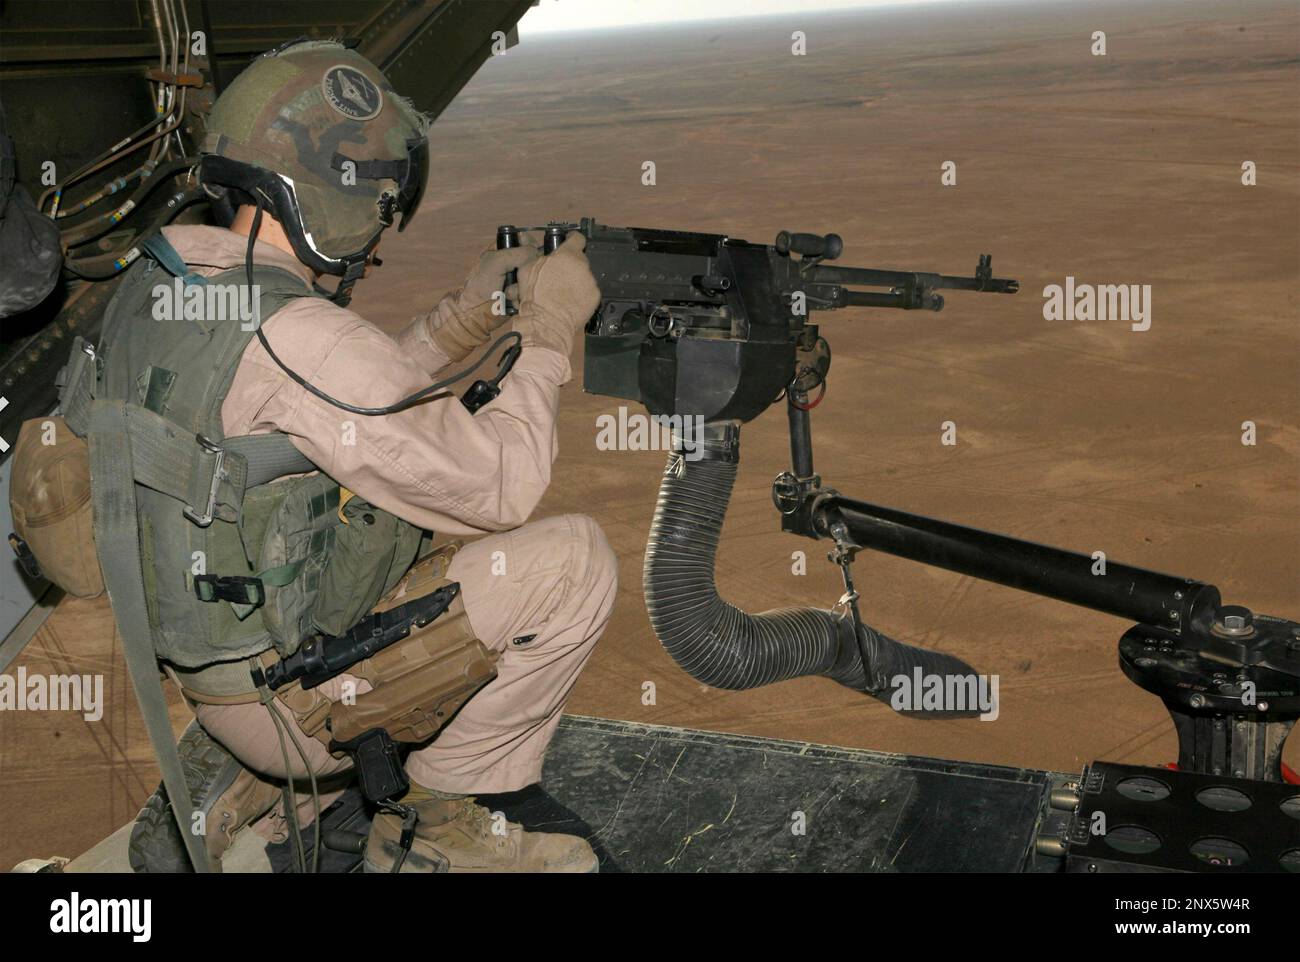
<point>658,799</point>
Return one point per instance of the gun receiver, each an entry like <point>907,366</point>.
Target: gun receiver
<point>709,325</point>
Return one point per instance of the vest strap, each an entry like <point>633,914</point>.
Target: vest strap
<point>268,456</point>
<point>160,249</point>
<point>220,683</point>
<point>208,478</point>
<point>118,542</point>
<point>281,575</point>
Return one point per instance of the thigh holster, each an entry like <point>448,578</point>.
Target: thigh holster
<point>419,683</point>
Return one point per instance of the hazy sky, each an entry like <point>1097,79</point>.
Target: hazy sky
<point>557,15</point>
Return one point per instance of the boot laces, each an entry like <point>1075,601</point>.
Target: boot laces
<point>484,822</point>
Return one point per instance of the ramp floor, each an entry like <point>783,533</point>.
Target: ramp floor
<point>658,799</point>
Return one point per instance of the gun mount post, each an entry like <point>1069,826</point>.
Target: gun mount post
<point>801,455</point>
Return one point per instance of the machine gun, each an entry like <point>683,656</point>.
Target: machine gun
<point>703,325</point>
<point>709,325</point>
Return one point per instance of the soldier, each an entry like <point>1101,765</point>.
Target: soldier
<point>314,154</point>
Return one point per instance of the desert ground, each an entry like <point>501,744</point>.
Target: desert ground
<point>1116,169</point>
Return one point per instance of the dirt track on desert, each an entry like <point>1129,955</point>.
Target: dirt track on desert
<point>1122,169</point>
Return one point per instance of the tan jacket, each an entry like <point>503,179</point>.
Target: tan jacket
<point>434,465</point>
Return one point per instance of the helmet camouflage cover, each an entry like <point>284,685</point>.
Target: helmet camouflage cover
<point>324,121</point>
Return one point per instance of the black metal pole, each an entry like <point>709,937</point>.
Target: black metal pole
<point>800,434</point>
<point>1127,592</point>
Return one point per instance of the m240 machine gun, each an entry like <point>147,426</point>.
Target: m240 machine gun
<point>708,325</point>
<point>705,326</point>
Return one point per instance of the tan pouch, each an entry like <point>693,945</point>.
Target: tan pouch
<point>49,497</point>
<point>419,683</point>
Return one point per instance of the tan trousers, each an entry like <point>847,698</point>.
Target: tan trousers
<point>540,595</point>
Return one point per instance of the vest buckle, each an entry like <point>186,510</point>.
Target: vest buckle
<point>236,589</point>
<point>218,475</point>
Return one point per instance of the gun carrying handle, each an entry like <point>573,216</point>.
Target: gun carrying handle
<point>828,247</point>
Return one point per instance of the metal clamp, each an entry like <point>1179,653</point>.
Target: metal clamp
<point>218,475</point>
<point>26,560</point>
<point>843,555</point>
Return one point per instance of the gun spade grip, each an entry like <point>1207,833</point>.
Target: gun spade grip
<point>508,237</point>
<point>553,238</point>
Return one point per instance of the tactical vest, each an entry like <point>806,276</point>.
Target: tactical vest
<point>233,564</point>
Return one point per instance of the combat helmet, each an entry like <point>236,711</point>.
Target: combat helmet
<point>313,133</point>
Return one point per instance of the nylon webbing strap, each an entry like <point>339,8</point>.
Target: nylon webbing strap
<point>267,457</point>
<point>117,541</point>
<point>210,478</point>
<point>178,464</point>
<point>281,575</point>
<point>160,249</point>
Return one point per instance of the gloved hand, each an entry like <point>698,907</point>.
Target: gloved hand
<point>466,319</point>
<point>557,296</point>
<point>488,277</point>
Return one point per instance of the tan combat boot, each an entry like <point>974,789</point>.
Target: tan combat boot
<point>247,799</point>
<point>459,835</point>
<point>228,794</point>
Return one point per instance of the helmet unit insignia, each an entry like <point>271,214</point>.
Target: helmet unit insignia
<point>352,93</point>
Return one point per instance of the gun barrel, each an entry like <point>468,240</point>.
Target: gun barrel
<point>871,277</point>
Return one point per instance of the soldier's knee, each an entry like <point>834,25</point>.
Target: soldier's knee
<point>595,566</point>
